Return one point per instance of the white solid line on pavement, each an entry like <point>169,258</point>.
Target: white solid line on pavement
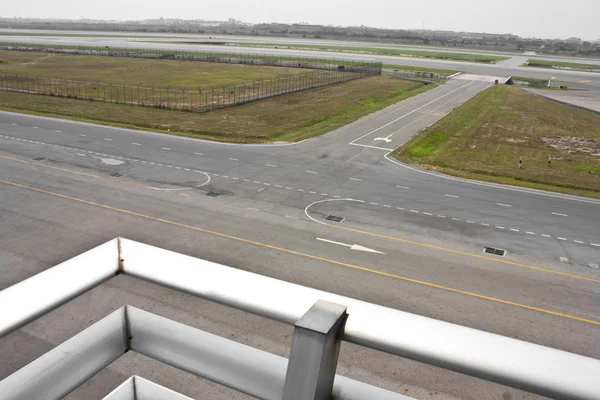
<point>312,172</point>
<point>271,165</point>
<point>503,205</point>
<point>403,187</point>
<point>370,147</point>
<point>560,215</point>
<point>451,195</point>
<point>166,148</point>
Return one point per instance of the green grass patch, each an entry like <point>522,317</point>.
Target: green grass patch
<point>139,71</point>
<point>291,117</point>
<point>562,65</point>
<point>484,138</point>
<point>420,69</point>
<point>531,80</point>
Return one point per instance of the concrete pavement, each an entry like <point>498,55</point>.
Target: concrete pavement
<point>58,186</point>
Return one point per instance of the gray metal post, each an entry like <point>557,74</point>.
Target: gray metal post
<point>314,352</point>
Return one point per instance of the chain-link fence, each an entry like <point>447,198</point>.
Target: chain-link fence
<point>174,99</point>
<point>368,68</point>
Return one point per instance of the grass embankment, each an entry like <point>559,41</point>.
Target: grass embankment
<point>562,65</point>
<point>484,138</point>
<point>138,71</point>
<point>290,117</point>
<point>442,55</point>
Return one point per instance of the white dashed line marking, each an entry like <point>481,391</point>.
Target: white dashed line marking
<point>455,219</point>
<point>324,194</point>
<point>108,139</point>
<point>469,222</point>
<point>82,135</point>
<point>301,190</point>
<point>14,124</point>
<point>337,197</point>
<point>35,127</point>
<point>485,224</point>
<point>515,230</point>
<point>414,211</point>
<point>82,155</point>
<point>385,205</point>
<point>503,205</point>
<point>235,179</point>
<point>500,227</point>
<point>578,241</point>
<point>312,172</point>
<point>177,167</point>
<point>245,180</point>
<point>441,216</point>
<point>169,166</point>
<point>451,195</point>
<point>289,188</point>
<point>166,148</point>
<point>271,165</point>
<point>559,238</point>
<point>278,186</point>
<point>234,159</point>
<point>199,154</point>
<point>428,214</point>
<point>375,204</point>
<point>356,179</point>
<point>560,215</point>
<point>403,187</point>
<point>216,175</point>
<point>187,169</point>
<point>547,236</point>
<point>227,177</point>
<point>313,192</point>
<point>400,208</point>
<point>595,245</point>
<point>136,144</point>
<point>530,233</point>
<point>58,131</point>
<point>257,182</point>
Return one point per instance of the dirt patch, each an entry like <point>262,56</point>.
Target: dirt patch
<point>39,60</point>
<point>512,140</point>
<point>570,145</point>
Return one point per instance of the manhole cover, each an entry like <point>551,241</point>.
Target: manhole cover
<point>39,159</point>
<point>117,175</point>
<point>334,218</point>
<point>496,252</point>
<point>214,194</point>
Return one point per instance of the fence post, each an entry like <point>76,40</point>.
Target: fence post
<point>314,352</point>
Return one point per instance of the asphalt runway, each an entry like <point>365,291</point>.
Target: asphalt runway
<point>511,67</point>
<point>59,196</point>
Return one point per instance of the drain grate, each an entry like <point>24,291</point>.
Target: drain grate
<point>334,218</point>
<point>39,159</point>
<point>214,194</point>
<point>117,175</point>
<point>496,252</point>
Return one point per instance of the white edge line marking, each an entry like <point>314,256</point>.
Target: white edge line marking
<point>370,147</point>
<point>406,115</point>
<point>560,215</point>
<point>490,185</point>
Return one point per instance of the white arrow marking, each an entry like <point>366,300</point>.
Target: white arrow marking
<point>383,138</point>
<point>352,246</point>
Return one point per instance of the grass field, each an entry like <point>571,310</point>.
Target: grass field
<point>138,72</point>
<point>483,58</point>
<point>290,117</point>
<point>484,138</point>
<point>560,65</point>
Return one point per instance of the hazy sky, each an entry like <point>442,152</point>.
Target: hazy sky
<point>540,18</point>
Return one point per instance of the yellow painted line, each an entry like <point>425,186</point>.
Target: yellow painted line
<point>341,227</point>
<point>183,194</point>
<point>253,209</point>
<point>290,217</point>
<point>105,178</point>
<point>586,81</point>
<point>356,267</point>
<point>464,253</point>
